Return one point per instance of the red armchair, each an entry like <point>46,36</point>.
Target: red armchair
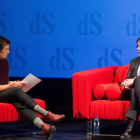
<point>8,112</point>
<point>97,92</point>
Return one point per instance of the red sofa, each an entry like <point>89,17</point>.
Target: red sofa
<point>97,92</point>
<point>8,112</point>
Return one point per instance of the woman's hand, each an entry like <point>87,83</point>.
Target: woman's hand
<point>11,82</point>
<point>19,84</point>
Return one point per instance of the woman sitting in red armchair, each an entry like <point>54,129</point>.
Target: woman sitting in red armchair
<point>132,83</point>
<point>10,92</point>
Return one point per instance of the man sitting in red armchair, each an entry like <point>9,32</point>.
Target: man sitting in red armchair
<point>132,82</point>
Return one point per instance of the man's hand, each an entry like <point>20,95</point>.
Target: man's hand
<point>125,88</point>
<point>126,84</point>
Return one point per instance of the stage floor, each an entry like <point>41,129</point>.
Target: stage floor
<point>67,129</point>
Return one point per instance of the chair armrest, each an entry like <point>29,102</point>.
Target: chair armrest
<point>82,84</point>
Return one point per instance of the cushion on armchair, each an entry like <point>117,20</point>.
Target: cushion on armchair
<point>100,90</point>
<point>114,92</point>
<point>110,91</point>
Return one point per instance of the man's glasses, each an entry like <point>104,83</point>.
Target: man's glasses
<point>137,46</point>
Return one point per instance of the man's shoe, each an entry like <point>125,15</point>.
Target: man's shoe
<point>46,130</point>
<point>50,117</point>
<point>128,133</point>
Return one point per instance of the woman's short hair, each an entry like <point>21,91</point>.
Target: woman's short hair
<point>3,42</point>
<point>138,39</point>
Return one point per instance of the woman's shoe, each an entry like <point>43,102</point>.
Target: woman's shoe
<point>128,134</point>
<point>50,117</point>
<point>46,130</point>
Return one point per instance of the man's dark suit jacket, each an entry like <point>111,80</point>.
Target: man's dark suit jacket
<point>134,64</point>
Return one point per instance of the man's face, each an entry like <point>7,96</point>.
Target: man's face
<point>4,52</point>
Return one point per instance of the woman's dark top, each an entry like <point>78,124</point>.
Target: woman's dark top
<point>4,72</point>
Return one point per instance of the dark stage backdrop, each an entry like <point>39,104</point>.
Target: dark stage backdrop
<point>52,39</point>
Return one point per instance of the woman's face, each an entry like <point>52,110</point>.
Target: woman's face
<point>4,52</point>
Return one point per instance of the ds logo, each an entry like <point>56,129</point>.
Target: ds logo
<point>115,55</point>
<point>90,25</point>
<point>19,61</point>
<point>2,24</point>
<point>42,24</point>
<point>132,27</point>
<point>62,60</point>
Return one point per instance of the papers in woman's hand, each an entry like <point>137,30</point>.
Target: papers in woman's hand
<point>31,82</point>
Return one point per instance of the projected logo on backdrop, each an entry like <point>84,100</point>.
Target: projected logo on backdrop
<point>57,61</point>
<point>132,26</point>
<point>35,26</point>
<point>19,56</point>
<point>90,24</point>
<point>18,52</point>
<point>2,24</point>
<point>113,55</point>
